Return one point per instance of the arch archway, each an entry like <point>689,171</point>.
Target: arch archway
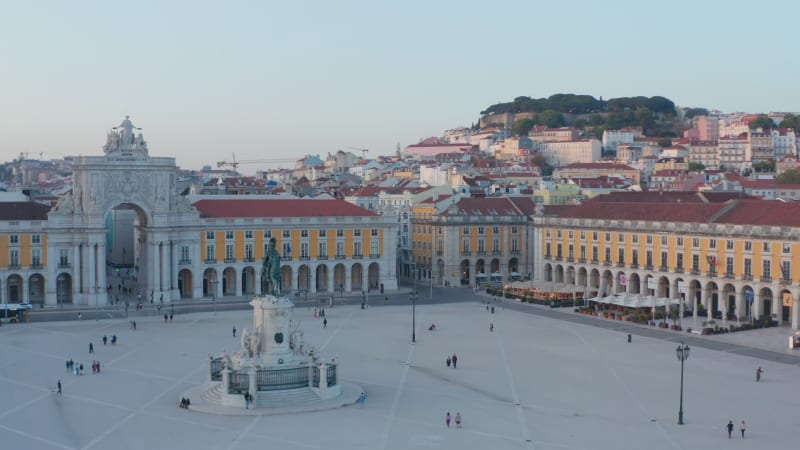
<point>464,271</point>
<point>548,272</point>
<point>373,275</point>
<point>357,277</point>
<point>766,301</point>
<point>513,266</point>
<point>662,288</point>
<point>286,278</point>
<point>728,301</point>
<point>229,281</point>
<point>594,282</point>
<point>210,282</point>
<point>582,278</point>
<point>634,284</point>
<point>786,300</point>
<point>558,274</point>
<point>304,278</point>
<point>440,271</point>
<point>14,289</point>
<point>249,280</point>
<point>712,300</point>
<point>479,268</point>
<point>570,278</point>
<point>607,283</point>
<point>64,288</point>
<point>495,265</point>
<point>36,288</point>
<point>339,274</point>
<point>322,278</point>
<point>185,283</point>
<point>622,282</point>
<point>127,246</point>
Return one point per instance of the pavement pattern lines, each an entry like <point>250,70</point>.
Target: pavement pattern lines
<point>534,383</point>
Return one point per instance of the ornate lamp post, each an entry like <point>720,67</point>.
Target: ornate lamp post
<point>683,354</point>
<point>414,296</point>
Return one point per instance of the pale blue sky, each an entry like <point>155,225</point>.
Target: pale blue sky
<point>270,79</point>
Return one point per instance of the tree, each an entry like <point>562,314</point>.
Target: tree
<point>596,120</point>
<point>665,142</point>
<point>763,122</point>
<point>551,118</point>
<point>764,166</point>
<point>692,112</point>
<point>791,121</point>
<point>788,177</point>
<point>522,127</point>
<point>696,167</point>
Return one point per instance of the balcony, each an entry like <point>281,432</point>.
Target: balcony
<point>230,260</point>
<point>64,265</point>
<point>286,258</point>
<point>304,258</point>
<point>711,273</point>
<point>36,266</point>
<point>185,262</point>
<point>679,269</point>
<point>621,264</point>
<point>211,261</point>
<point>663,269</point>
<point>496,252</point>
<point>786,281</point>
<point>634,266</point>
<point>607,263</point>
<point>766,279</point>
<point>649,267</point>
<point>341,257</point>
<point>570,259</point>
<point>582,260</point>
<point>466,253</point>
<point>439,253</point>
<point>595,261</point>
<point>730,275</point>
<point>374,255</point>
<point>548,256</point>
<point>250,259</point>
<point>747,277</point>
<point>515,251</point>
<point>695,272</point>
<point>358,256</point>
<point>322,257</point>
<point>480,253</point>
<point>559,258</point>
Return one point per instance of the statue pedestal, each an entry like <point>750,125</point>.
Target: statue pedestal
<point>268,344</point>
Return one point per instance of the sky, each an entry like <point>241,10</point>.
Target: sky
<point>277,80</point>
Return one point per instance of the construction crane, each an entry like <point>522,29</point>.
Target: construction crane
<point>234,164</point>
<point>362,150</point>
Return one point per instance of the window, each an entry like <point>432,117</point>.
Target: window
<point>748,267</point>
<point>36,257</point>
<point>664,240</point>
<point>695,242</point>
<point>481,245</point>
<point>481,230</point>
<point>786,270</point>
<point>357,232</point>
<point>514,230</point>
<point>729,245</point>
<point>514,245</point>
<point>664,259</point>
<point>373,232</point>
<point>323,233</point>
<point>570,234</point>
<point>767,247</point>
<point>439,246</point>
<point>210,251</point>
<point>696,262</point>
<point>635,238</point>
<point>680,242</point>
<point>339,232</point>
<point>210,235</point>
<point>570,251</point>
<point>547,249</point>
<point>621,256</point>
<point>583,252</point>
<point>594,235</point>
<point>679,262</point>
<point>287,234</point>
<point>14,257</point>
<point>373,248</point>
<point>268,234</point>
<point>228,252</point>
<point>558,251</point>
<point>63,257</point>
<point>635,257</point>
<point>748,246</point>
<point>496,230</point>
<point>287,250</point>
<point>229,235</point>
<point>712,243</point>
<point>340,249</point>
<point>583,235</point>
<point>729,266</point>
<point>496,245</point>
<point>766,269</point>
<point>440,231</point>
<point>465,246</point>
<point>608,255</point>
<point>304,233</point>
<point>649,239</point>
<point>465,231</point>
<point>323,250</point>
<point>13,239</point>
<point>621,238</point>
<point>608,237</point>
<point>594,254</point>
<point>248,251</point>
<point>304,250</point>
<point>357,249</point>
<point>649,257</point>
<point>36,239</point>
<point>786,248</point>
<point>546,233</point>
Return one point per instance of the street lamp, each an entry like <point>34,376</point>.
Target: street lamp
<point>414,316</point>
<point>683,354</point>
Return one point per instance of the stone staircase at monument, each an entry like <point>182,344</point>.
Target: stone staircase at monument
<point>214,395</point>
<point>285,398</point>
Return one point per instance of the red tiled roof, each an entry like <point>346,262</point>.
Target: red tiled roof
<point>486,206</point>
<point>599,166</point>
<point>23,211</point>
<point>763,212</point>
<point>279,207</point>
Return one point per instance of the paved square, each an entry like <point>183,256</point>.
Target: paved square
<point>533,383</point>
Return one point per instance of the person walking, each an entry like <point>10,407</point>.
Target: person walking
<point>234,331</point>
<point>59,393</point>
<point>91,347</point>
<point>362,399</point>
<point>448,361</point>
<point>458,419</point>
<point>730,428</point>
<point>491,327</point>
<point>105,339</point>
<point>134,325</point>
<point>741,428</point>
<point>455,360</point>
<point>325,323</point>
<point>67,366</point>
<point>759,371</point>
<point>166,317</point>
<point>447,419</point>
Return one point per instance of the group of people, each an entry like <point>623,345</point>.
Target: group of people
<point>184,403</point>
<point>457,418</point>
<point>729,426</point>
<point>452,360</point>
<point>167,316</point>
<point>95,366</point>
<point>113,339</point>
<point>77,369</point>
